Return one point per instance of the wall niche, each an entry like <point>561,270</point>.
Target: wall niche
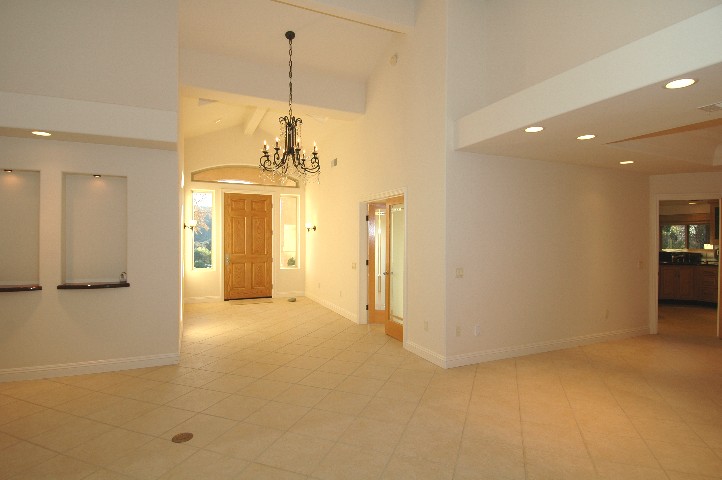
<point>20,232</point>
<point>95,231</point>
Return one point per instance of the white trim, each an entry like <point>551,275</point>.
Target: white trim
<point>532,348</point>
<point>292,293</point>
<point>206,299</point>
<point>396,192</point>
<point>82,368</point>
<point>335,308</point>
<point>426,354</point>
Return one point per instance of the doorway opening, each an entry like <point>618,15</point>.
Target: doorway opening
<point>688,277</point>
<point>386,253</point>
<point>247,246</point>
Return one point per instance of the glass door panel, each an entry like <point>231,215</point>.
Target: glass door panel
<point>380,266</point>
<point>396,258</point>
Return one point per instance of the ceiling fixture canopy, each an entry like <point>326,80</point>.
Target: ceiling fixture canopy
<point>275,165</point>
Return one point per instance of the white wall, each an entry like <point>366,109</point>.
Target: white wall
<point>53,331</point>
<point>95,50</point>
<point>542,267</point>
<point>398,145</point>
<point>100,71</point>
<point>553,255</point>
<point>528,41</point>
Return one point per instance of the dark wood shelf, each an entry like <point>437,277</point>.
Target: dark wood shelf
<point>92,285</point>
<point>19,288</point>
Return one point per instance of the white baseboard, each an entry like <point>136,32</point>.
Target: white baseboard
<point>83,368</point>
<point>335,308</point>
<point>530,349</point>
<point>288,294</point>
<point>426,354</point>
<point>208,299</point>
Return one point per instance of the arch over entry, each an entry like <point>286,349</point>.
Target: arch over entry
<point>241,175</point>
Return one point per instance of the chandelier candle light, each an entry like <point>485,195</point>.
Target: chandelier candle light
<point>276,165</point>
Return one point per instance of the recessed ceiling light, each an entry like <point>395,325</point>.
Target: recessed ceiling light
<point>7,170</point>
<point>96,175</point>
<point>41,133</point>
<point>680,83</point>
<point>627,162</point>
<point>586,137</point>
<point>693,202</point>
<point>533,129</point>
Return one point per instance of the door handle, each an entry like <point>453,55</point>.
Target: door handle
<point>228,258</point>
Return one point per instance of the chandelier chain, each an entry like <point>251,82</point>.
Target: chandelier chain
<point>290,76</point>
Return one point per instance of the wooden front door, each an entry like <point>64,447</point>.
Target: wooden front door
<point>247,244</point>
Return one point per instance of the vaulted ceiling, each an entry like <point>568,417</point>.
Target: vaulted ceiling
<point>661,131</point>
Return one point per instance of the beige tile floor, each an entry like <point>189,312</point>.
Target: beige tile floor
<point>293,391</point>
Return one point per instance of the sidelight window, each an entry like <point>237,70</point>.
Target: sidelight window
<point>289,231</point>
<point>203,230</point>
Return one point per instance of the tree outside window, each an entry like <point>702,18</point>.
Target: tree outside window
<point>681,236</point>
<point>203,231</point>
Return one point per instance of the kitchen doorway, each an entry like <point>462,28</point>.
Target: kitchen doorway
<point>686,260</point>
<point>386,250</point>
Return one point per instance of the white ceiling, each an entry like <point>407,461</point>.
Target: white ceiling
<point>662,131</point>
<point>254,30</point>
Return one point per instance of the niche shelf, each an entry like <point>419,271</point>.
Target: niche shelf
<point>95,217</point>
<point>92,286</point>
<point>19,288</point>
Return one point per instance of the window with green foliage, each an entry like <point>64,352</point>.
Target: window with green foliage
<point>203,231</point>
<point>681,236</point>
<point>289,229</point>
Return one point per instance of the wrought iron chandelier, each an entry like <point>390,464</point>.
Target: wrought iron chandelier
<point>290,151</point>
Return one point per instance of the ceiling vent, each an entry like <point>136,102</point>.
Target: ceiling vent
<point>713,107</point>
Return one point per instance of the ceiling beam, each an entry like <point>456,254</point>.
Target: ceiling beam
<point>396,16</point>
<point>254,121</point>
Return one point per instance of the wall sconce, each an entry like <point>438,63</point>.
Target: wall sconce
<point>310,227</point>
<point>191,224</point>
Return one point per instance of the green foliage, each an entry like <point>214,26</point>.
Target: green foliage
<point>201,256</point>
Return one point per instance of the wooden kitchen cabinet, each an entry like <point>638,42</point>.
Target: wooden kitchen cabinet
<point>688,283</point>
<point>706,284</point>
<point>678,282</point>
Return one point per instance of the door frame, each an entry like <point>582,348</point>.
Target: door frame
<point>281,278</point>
<point>654,254</point>
<point>363,252</point>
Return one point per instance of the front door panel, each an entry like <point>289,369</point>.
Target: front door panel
<point>248,236</point>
